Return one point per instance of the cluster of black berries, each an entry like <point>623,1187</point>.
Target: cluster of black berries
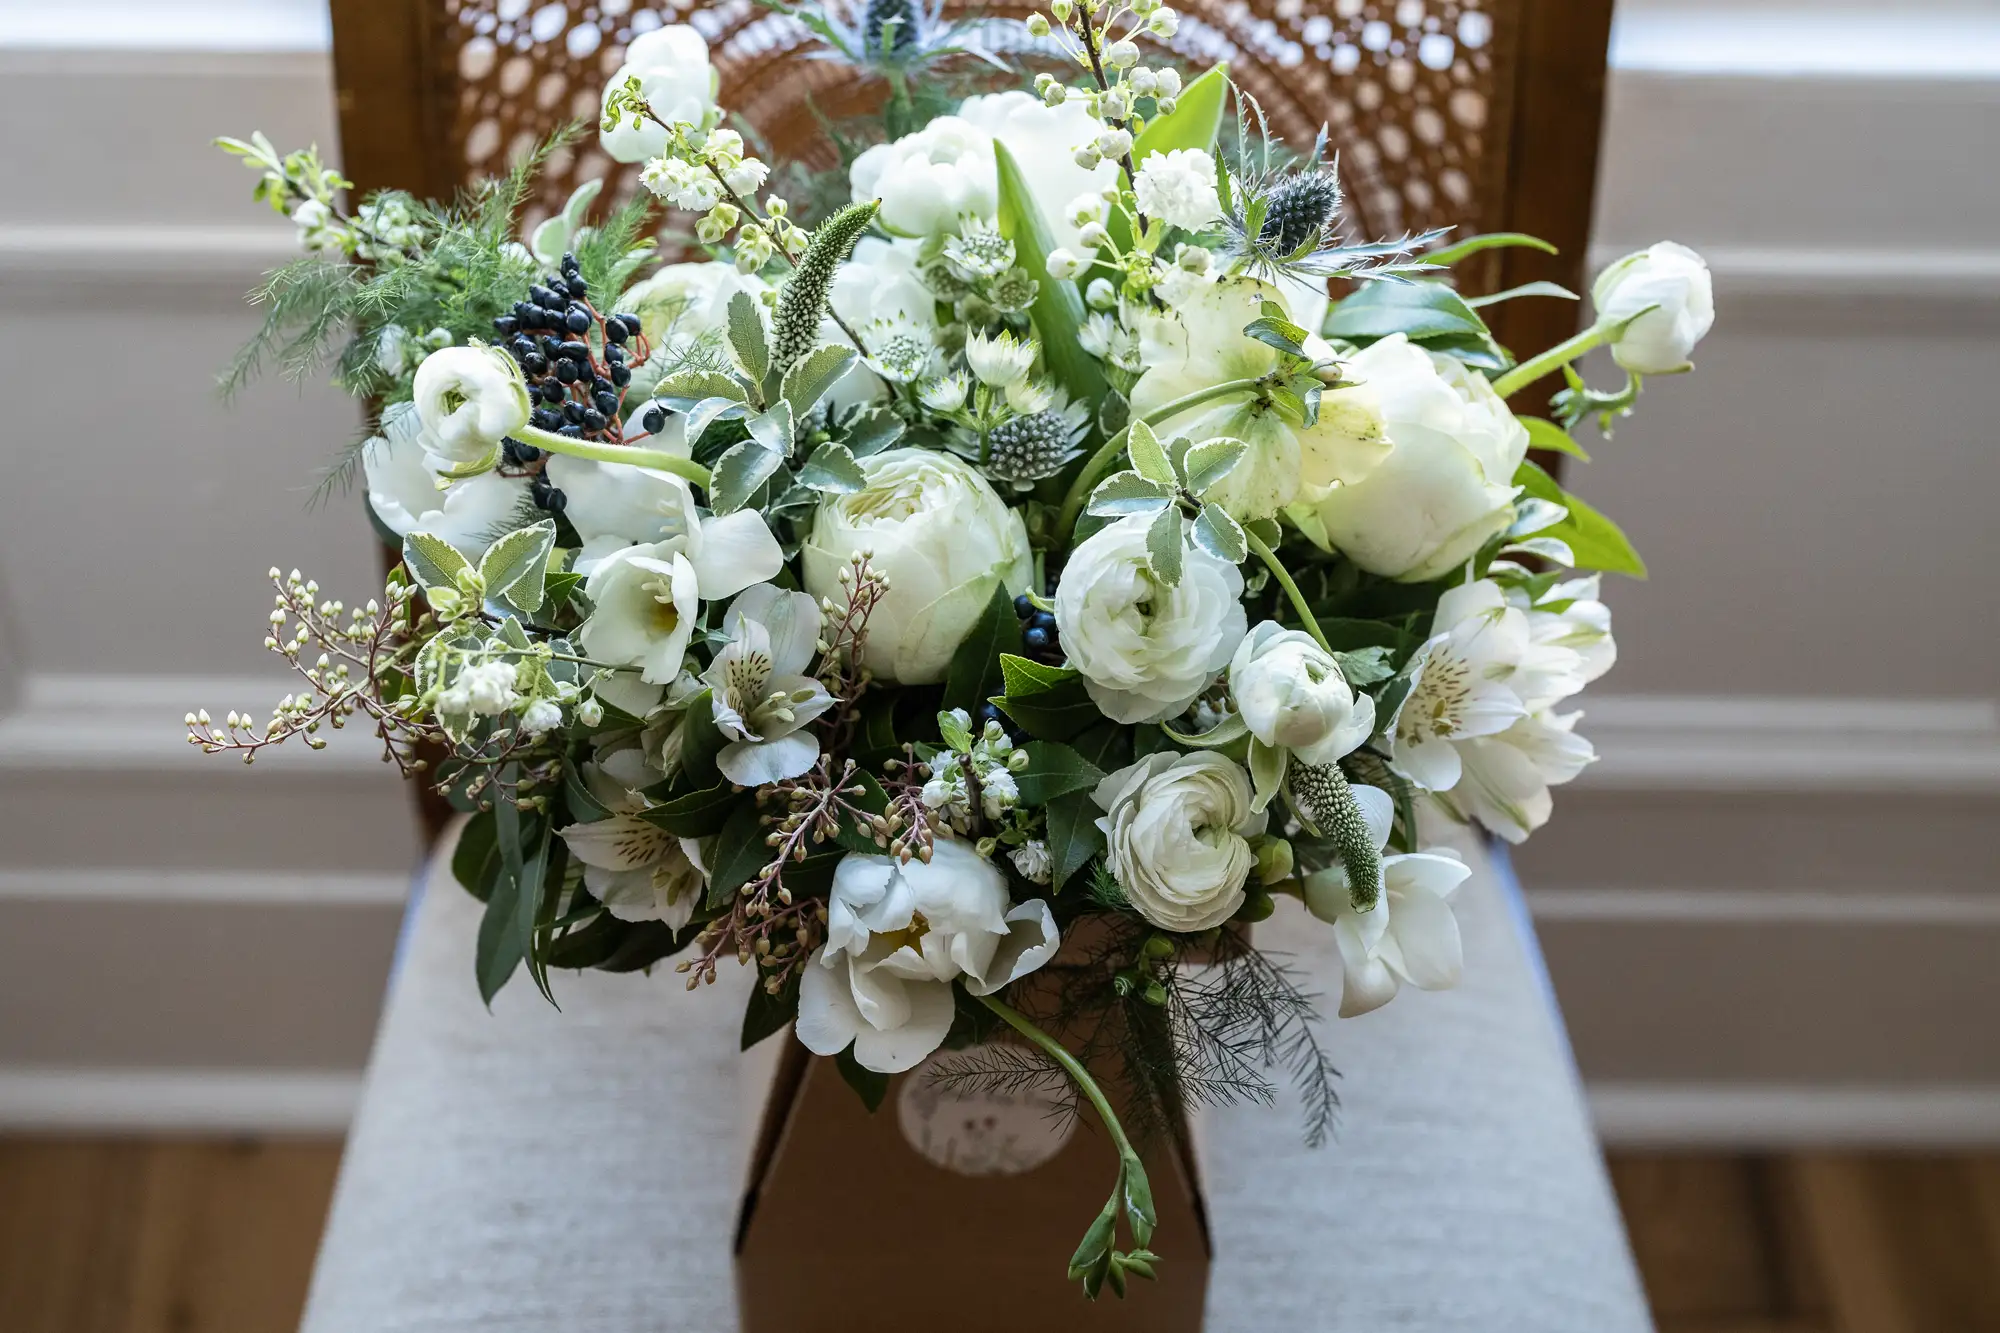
<point>1038,633</point>
<point>575,391</point>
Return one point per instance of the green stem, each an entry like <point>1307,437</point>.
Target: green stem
<point>1280,573</point>
<point>1100,462</point>
<point>1070,1065</point>
<point>614,453</point>
<point>1521,376</point>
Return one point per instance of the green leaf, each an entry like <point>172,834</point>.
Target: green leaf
<point>1525,289</point>
<point>872,430</point>
<point>1231,729</point>
<point>536,904</point>
<point>498,950</point>
<point>1149,459</point>
<point>1545,434</point>
<point>1447,255</point>
<point>1054,770</point>
<point>1365,666</point>
<point>1211,461</point>
<point>832,468</point>
<point>475,861</point>
<point>1139,1214</point>
<point>703,414</point>
<point>433,561</point>
<point>1595,541</point>
<point>1073,836</point>
<point>739,854</point>
<point>514,567</point>
<point>812,375</point>
<point>1048,702</point>
<point>1420,310</point>
<point>739,472</point>
<point>1166,545</point>
<point>1538,483</point>
<point>767,1014</point>
<point>1124,493</point>
<point>955,734</point>
<point>870,1086</point>
<point>1193,123</point>
<point>775,428</point>
<point>699,814</point>
<point>700,740</point>
<point>1280,333</point>
<point>974,671</point>
<point>683,390</point>
<point>747,345</point>
<point>1058,309</point>
<point>1220,535</point>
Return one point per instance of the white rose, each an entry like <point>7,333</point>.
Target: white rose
<point>1145,649</point>
<point>1290,693</point>
<point>1201,343</point>
<point>1176,827</point>
<point>403,489</point>
<point>1179,188</point>
<point>897,936</point>
<point>469,399</point>
<point>1447,484</point>
<point>943,538</point>
<point>672,67</point>
<point>1674,280</point>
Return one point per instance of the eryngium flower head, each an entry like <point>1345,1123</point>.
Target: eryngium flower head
<point>1021,452</point>
<point>881,38</point>
<point>1299,211</point>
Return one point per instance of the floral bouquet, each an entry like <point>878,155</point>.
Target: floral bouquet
<point>1057,532</point>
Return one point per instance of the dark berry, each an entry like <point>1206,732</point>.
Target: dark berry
<point>614,330</point>
<point>510,451</point>
<point>572,411</point>
<point>545,418</point>
<point>1043,620</point>
<point>567,372</point>
<point>507,326</point>
<point>593,420</point>
<point>523,314</point>
<point>598,384</point>
<point>570,430</point>
<point>654,421</point>
<point>521,346</point>
<point>542,296</point>
<point>620,377</point>
<point>551,347</point>
<point>607,403</point>
<point>530,454</point>
<point>555,502</point>
<point>614,355</point>
<point>538,485</point>
<point>576,320</point>
<point>577,286</point>
<point>576,350</point>
<point>569,261</point>
<point>552,392</point>
<point>632,325</point>
<point>534,362</point>
<point>1023,607</point>
<point>1038,638</point>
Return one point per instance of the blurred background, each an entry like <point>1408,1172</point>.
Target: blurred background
<point>1771,912</point>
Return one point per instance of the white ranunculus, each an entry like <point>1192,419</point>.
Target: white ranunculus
<point>1178,187</point>
<point>1674,280</point>
<point>688,300</point>
<point>1176,828</point>
<point>897,936</point>
<point>881,283</point>
<point>469,399</point>
<point>644,601</point>
<point>1409,934</point>
<point>638,871</point>
<point>675,78</point>
<point>615,505</point>
<point>1447,484</point>
<point>1290,692</point>
<point>944,539</point>
<point>1200,343</point>
<point>403,490</point>
<point>759,690</point>
<point>1146,649</point>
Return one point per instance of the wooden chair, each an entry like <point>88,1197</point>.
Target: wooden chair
<point>1478,114</point>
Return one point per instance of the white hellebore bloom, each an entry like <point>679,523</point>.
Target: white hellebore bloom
<point>944,540</point>
<point>644,600</point>
<point>614,505</point>
<point>1177,826</point>
<point>1409,934</point>
<point>1178,187</point>
<point>1671,279</point>
<point>403,489</point>
<point>1146,649</point>
<point>1447,484</point>
<point>638,871</point>
<point>1290,693</point>
<point>897,936</point>
<point>675,78</point>
<point>1200,343</point>
<point>469,399</point>
<point>762,696</point>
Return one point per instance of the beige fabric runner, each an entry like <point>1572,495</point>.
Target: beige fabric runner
<point>578,1172</point>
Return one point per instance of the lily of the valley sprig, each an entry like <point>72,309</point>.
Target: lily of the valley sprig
<point>1019,550</point>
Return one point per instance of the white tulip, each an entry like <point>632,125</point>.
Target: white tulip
<point>897,936</point>
<point>469,399</point>
<point>403,489</point>
<point>1447,484</point>
<point>943,538</point>
<point>675,78</point>
<point>1146,649</point>
<point>1176,828</point>
<point>1290,692</point>
<point>1674,281</point>
<point>761,695</point>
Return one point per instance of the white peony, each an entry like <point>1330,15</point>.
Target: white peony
<point>1674,280</point>
<point>897,936</point>
<point>1176,826</point>
<point>1409,934</point>
<point>1447,484</point>
<point>759,690</point>
<point>1178,188</point>
<point>403,490</point>
<point>675,78</point>
<point>1289,691</point>
<point>614,505</point>
<point>1200,343</point>
<point>1146,649</point>
<point>943,539</point>
<point>469,399</point>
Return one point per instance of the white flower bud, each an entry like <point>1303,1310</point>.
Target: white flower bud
<point>1122,54</point>
<point>1100,295</point>
<point>1093,235</point>
<point>1088,157</point>
<point>1114,143</point>
<point>1163,22</point>
<point>1064,264</point>
<point>1038,26</point>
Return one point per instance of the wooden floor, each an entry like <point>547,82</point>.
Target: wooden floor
<point>197,1236</point>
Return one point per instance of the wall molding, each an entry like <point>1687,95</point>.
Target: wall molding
<point>1749,1116</point>
<point>205,1101</point>
<point>106,254</point>
<point>1889,907</point>
<point>107,884</point>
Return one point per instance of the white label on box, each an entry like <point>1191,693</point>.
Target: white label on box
<point>976,1129</point>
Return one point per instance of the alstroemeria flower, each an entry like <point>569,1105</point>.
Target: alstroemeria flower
<point>639,871</point>
<point>762,697</point>
<point>897,936</point>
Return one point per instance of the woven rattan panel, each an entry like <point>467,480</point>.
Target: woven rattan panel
<point>1413,91</point>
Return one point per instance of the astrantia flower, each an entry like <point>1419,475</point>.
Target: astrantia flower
<point>978,251</point>
<point>897,936</point>
<point>1177,828</point>
<point>946,394</point>
<point>671,64</point>
<point>1145,648</point>
<point>897,353</point>
<point>469,399</point>
<point>1001,359</point>
<point>1178,187</point>
<point>762,697</point>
